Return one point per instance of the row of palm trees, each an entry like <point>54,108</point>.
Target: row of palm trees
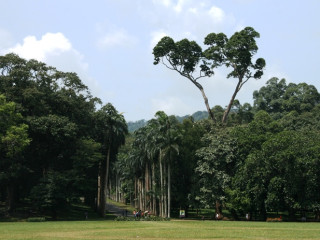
<point>111,131</point>
<point>148,165</point>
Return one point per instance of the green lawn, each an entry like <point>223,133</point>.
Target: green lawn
<point>184,229</point>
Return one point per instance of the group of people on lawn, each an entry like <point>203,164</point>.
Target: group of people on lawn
<point>138,214</point>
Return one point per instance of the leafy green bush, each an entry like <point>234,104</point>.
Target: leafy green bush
<point>148,218</point>
<point>36,219</point>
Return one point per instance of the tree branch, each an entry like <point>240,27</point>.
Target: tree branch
<point>250,76</point>
<point>166,64</point>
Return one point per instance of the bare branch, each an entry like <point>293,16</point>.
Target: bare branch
<point>166,64</point>
<point>250,76</point>
<point>201,76</point>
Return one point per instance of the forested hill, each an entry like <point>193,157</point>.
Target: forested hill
<point>199,115</point>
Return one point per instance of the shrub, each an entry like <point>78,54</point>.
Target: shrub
<point>148,218</point>
<point>274,219</point>
<point>36,219</point>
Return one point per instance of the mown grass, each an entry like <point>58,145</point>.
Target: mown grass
<point>182,229</point>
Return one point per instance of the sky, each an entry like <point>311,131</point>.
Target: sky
<point>109,43</point>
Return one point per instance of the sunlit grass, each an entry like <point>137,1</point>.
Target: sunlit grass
<point>183,229</point>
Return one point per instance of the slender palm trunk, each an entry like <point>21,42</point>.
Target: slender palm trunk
<point>140,194</point>
<point>169,189</point>
<point>103,186</point>
<point>161,205</point>
<point>147,186</point>
<point>135,192</point>
<point>98,203</point>
<point>117,188</point>
<point>154,200</point>
<point>105,189</point>
<point>165,200</point>
<point>10,197</point>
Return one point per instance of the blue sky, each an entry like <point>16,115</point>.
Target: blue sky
<point>109,44</point>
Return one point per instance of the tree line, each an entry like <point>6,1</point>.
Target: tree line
<point>56,142</point>
<point>265,159</point>
<point>59,144</point>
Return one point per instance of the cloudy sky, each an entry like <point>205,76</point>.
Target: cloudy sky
<point>109,44</point>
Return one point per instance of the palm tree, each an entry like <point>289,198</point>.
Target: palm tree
<point>153,150</point>
<point>167,142</point>
<point>111,130</point>
<point>153,153</point>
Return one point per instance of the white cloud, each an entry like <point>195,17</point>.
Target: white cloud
<point>156,37</point>
<point>56,50</point>
<point>49,44</point>
<point>191,19</point>
<point>166,3</point>
<point>178,7</point>
<point>117,38</point>
<point>217,14</point>
<point>180,4</point>
<point>193,10</point>
<point>240,26</point>
<point>170,105</point>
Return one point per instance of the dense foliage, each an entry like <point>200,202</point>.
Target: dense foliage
<point>265,159</point>
<point>57,148</point>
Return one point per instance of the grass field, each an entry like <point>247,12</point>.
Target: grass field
<point>183,229</point>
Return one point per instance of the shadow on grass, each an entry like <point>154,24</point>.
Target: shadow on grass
<point>74,212</point>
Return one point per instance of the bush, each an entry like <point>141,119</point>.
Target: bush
<point>120,218</point>
<point>274,219</point>
<point>148,218</point>
<point>36,219</point>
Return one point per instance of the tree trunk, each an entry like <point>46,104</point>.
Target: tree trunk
<point>117,189</point>
<point>154,200</point>
<point>226,113</point>
<point>140,194</point>
<point>98,203</point>
<point>169,189</point>
<point>165,200</point>
<point>161,205</point>
<point>101,201</point>
<point>107,172</point>
<point>206,101</point>
<point>10,197</point>
<point>104,184</point>
<point>135,192</point>
<point>218,208</point>
<point>147,186</point>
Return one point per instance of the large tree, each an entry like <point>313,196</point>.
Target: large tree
<point>236,53</point>
<point>58,108</point>
<point>187,58</point>
<point>279,98</point>
<point>13,142</point>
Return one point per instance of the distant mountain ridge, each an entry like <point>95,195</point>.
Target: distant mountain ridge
<point>199,115</point>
